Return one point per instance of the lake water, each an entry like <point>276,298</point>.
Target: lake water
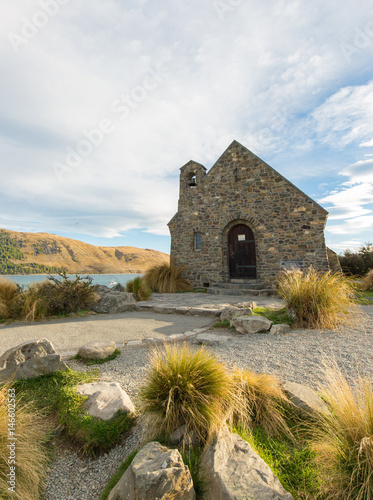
<point>98,279</point>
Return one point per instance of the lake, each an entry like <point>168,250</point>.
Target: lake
<point>98,279</point>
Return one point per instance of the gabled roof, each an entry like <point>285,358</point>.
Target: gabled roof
<point>234,144</point>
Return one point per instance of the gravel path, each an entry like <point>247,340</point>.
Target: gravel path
<point>297,356</point>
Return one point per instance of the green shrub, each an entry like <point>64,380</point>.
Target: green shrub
<point>30,448</point>
<point>357,263</point>
<point>186,387</point>
<point>258,400</point>
<point>139,288</point>
<point>64,295</point>
<point>343,439</point>
<point>317,300</point>
<point>167,278</point>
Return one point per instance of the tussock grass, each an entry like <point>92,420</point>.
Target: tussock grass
<point>186,387</point>
<point>31,452</point>
<point>317,300</point>
<point>343,440</point>
<point>139,288</point>
<point>167,278</point>
<point>368,282</point>
<point>8,291</point>
<point>258,401</point>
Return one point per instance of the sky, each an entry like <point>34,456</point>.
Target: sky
<point>103,101</point>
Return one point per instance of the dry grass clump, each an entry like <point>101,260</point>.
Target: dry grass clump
<point>8,291</point>
<point>343,440</point>
<point>139,288</point>
<point>167,278</point>
<point>318,300</point>
<point>186,387</point>
<point>368,281</point>
<point>31,457</point>
<point>258,400</point>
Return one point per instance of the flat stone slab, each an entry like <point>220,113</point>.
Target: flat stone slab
<point>97,349</point>
<point>251,324</point>
<point>279,329</point>
<point>305,398</point>
<point>211,339</point>
<point>105,399</point>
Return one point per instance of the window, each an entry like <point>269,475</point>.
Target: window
<point>197,241</point>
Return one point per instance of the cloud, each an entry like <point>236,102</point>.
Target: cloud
<point>271,75</point>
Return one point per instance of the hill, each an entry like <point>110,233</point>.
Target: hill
<point>33,253</point>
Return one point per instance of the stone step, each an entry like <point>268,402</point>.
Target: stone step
<point>246,291</point>
<point>243,285</point>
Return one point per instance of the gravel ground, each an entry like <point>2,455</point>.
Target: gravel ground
<point>297,356</point>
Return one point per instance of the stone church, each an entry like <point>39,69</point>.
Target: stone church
<point>242,223</point>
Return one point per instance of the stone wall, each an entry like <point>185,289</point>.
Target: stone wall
<point>241,188</point>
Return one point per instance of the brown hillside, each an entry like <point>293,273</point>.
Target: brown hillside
<point>82,258</point>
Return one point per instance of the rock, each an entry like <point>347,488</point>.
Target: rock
<point>210,339</point>
<point>118,288</point>
<point>251,324</point>
<point>304,398</point>
<point>181,437</point>
<point>97,349</point>
<point>101,289</point>
<point>29,360</point>
<point>156,472</point>
<point>230,312</point>
<point>236,472</point>
<point>246,305</point>
<point>112,302</point>
<point>105,399</point>
<point>279,329</point>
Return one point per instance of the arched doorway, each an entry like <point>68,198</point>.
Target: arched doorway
<point>242,257</point>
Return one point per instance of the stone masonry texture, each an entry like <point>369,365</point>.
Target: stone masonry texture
<point>242,189</point>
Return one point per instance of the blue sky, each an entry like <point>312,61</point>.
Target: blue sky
<point>103,101</point>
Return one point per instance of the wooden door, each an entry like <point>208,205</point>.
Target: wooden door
<point>242,259</point>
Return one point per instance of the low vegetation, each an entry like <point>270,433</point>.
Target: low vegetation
<point>56,396</point>
<point>55,296</point>
<point>343,440</point>
<point>258,400</point>
<point>317,300</point>
<point>30,447</point>
<point>186,387</point>
<point>139,288</point>
<point>367,284</point>
<point>91,362</point>
<point>167,278</point>
<point>277,316</point>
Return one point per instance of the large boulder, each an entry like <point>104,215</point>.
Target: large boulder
<point>105,399</point>
<point>236,472</point>
<point>29,360</point>
<point>156,472</point>
<point>304,398</point>
<point>111,302</point>
<point>97,349</point>
<point>251,324</point>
